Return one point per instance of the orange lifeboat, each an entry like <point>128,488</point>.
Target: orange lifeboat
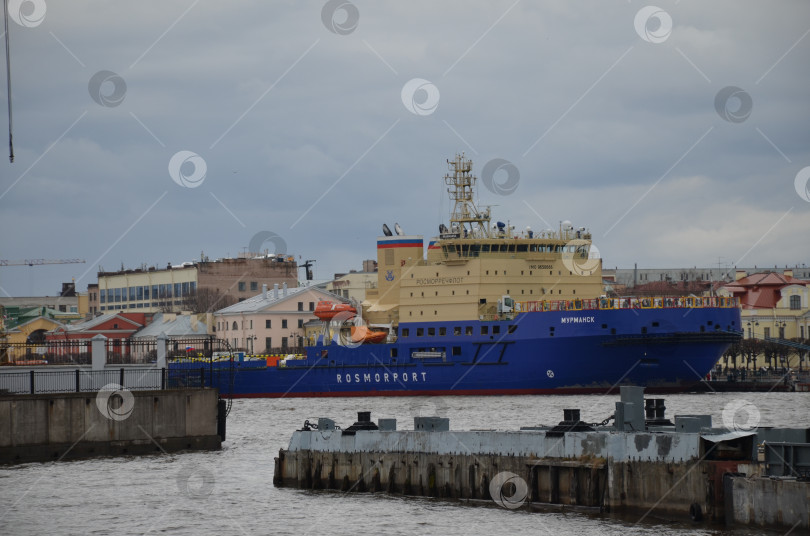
<point>364,335</point>
<point>327,310</point>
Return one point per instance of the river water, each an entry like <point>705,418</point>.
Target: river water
<point>231,491</point>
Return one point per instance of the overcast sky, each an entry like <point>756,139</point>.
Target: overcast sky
<point>676,134</point>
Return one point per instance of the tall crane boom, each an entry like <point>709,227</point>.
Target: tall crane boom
<point>39,262</point>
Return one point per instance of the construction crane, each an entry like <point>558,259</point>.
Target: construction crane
<point>38,262</point>
<point>308,267</point>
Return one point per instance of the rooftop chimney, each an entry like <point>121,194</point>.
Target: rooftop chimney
<point>739,274</point>
<point>285,288</point>
<point>788,273</point>
<point>275,291</point>
<point>264,290</point>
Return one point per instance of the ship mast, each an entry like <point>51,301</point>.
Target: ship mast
<point>466,219</point>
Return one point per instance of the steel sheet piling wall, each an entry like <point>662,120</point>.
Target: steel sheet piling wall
<point>651,473</point>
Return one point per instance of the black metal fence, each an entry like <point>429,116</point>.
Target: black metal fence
<point>46,353</point>
<point>118,351</point>
<point>78,381</point>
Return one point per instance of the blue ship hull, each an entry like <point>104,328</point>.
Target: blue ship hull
<point>594,351</point>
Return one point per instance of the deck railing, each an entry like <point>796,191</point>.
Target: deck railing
<point>627,303</point>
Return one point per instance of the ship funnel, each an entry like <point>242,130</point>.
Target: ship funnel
<point>398,229</point>
<point>386,230</point>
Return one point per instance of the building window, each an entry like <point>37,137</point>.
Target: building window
<point>132,293</point>
<point>284,324</point>
<point>300,306</point>
<point>767,333</point>
<point>234,326</point>
<point>178,290</point>
<point>284,342</point>
<point>254,285</point>
<point>300,322</point>
<point>241,286</point>
<point>146,292</point>
<point>267,324</point>
<point>311,306</point>
<point>185,289</point>
<point>251,324</point>
<point>268,342</point>
<point>795,302</point>
<point>103,296</point>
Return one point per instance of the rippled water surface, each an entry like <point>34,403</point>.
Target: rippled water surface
<point>231,491</point>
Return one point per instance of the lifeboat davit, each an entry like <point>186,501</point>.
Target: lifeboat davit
<point>326,310</point>
<point>364,335</point>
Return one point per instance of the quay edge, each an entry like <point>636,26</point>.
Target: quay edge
<point>65,426</point>
<point>686,470</point>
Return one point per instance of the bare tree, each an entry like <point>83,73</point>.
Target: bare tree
<point>207,300</point>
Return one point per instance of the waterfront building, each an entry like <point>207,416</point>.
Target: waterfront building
<point>271,320</point>
<point>117,326</point>
<point>776,312</point>
<point>639,276</point>
<point>192,286</point>
<point>353,285</point>
<point>773,305</point>
<point>68,301</point>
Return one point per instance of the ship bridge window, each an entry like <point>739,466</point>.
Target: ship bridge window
<point>456,350</point>
<point>522,248</point>
<point>431,332</point>
<point>484,330</point>
<point>468,330</point>
<point>442,331</point>
<point>475,250</point>
<point>420,332</point>
<point>496,330</point>
<point>405,332</point>
<point>484,248</point>
<point>393,352</point>
<point>512,328</point>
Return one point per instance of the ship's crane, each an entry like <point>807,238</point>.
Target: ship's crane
<point>39,262</point>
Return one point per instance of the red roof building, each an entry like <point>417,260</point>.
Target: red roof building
<point>766,290</point>
<point>112,326</point>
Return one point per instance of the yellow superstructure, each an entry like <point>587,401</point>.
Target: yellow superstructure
<point>473,269</point>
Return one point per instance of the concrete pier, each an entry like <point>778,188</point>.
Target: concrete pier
<point>683,470</point>
<point>44,427</point>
